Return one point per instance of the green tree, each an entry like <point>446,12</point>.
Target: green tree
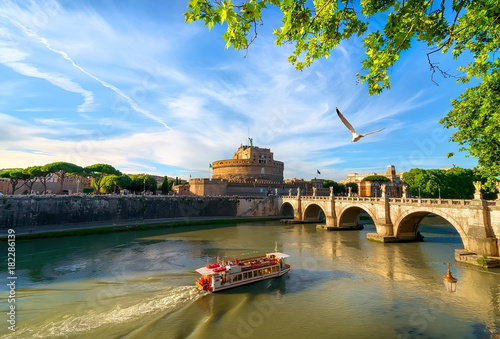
<point>166,185</point>
<point>88,190</point>
<point>14,175</point>
<point>123,182</point>
<point>29,178</point>
<point>108,183</point>
<point>353,186</point>
<point>420,182</point>
<point>101,174</point>
<point>469,30</point>
<point>476,118</point>
<point>37,174</point>
<point>61,169</point>
<point>337,188</point>
<point>143,183</point>
<point>112,183</point>
<point>455,183</point>
<point>373,178</point>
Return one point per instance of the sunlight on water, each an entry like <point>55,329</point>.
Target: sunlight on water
<point>140,285</point>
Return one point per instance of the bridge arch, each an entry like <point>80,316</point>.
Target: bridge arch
<point>349,216</point>
<point>407,225</point>
<point>287,209</point>
<point>314,212</point>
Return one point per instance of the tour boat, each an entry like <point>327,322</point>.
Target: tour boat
<point>228,274</point>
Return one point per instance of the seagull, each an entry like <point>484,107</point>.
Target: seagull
<point>355,136</point>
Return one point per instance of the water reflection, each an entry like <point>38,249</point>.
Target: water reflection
<point>140,285</point>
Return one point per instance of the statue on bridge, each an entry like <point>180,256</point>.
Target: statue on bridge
<point>405,191</point>
<point>477,186</point>
<point>349,191</point>
<point>314,191</point>
<point>477,193</point>
<point>382,187</point>
<point>331,191</point>
<point>290,192</point>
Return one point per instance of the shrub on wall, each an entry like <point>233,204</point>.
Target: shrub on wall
<point>88,190</point>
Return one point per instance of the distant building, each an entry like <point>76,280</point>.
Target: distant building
<point>73,184</point>
<point>182,189</point>
<point>393,188</point>
<point>4,186</point>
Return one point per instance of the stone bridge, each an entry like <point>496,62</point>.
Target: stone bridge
<point>477,221</point>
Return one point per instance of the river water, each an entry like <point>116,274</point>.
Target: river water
<point>141,285</point>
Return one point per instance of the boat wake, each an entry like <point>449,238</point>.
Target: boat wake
<point>164,302</point>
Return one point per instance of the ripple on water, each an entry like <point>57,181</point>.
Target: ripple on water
<point>87,318</point>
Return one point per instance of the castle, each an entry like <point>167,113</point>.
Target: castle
<point>251,171</point>
<point>249,163</point>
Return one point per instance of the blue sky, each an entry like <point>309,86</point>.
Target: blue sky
<point>130,84</point>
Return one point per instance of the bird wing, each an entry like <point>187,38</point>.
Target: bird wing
<point>346,123</point>
<point>373,132</point>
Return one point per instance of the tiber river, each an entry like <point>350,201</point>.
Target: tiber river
<point>141,285</point>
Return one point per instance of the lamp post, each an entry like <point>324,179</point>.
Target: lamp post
<point>439,189</point>
<point>449,281</point>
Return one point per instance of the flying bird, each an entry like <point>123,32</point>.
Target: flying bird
<point>355,136</point>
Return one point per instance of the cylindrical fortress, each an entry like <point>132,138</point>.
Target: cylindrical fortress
<point>249,163</point>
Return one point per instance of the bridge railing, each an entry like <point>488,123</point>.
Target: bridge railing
<point>406,201</point>
<point>427,201</point>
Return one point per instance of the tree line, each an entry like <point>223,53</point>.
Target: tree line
<point>105,178</point>
<point>340,189</point>
<point>454,183</point>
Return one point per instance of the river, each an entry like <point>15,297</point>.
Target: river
<point>141,285</point>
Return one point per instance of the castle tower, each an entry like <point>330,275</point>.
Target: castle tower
<point>249,163</point>
<point>391,170</point>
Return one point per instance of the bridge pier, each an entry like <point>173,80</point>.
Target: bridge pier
<point>480,237</point>
<point>486,246</point>
<point>385,233</point>
<point>297,212</point>
<point>331,221</point>
<point>391,238</point>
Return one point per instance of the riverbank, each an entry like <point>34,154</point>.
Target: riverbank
<point>73,229</point>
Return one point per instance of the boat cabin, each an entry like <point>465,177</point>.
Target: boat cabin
<point>224,275</point>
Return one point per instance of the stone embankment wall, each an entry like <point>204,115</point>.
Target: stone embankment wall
<point>257,207</point>
<point>30,211</point>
